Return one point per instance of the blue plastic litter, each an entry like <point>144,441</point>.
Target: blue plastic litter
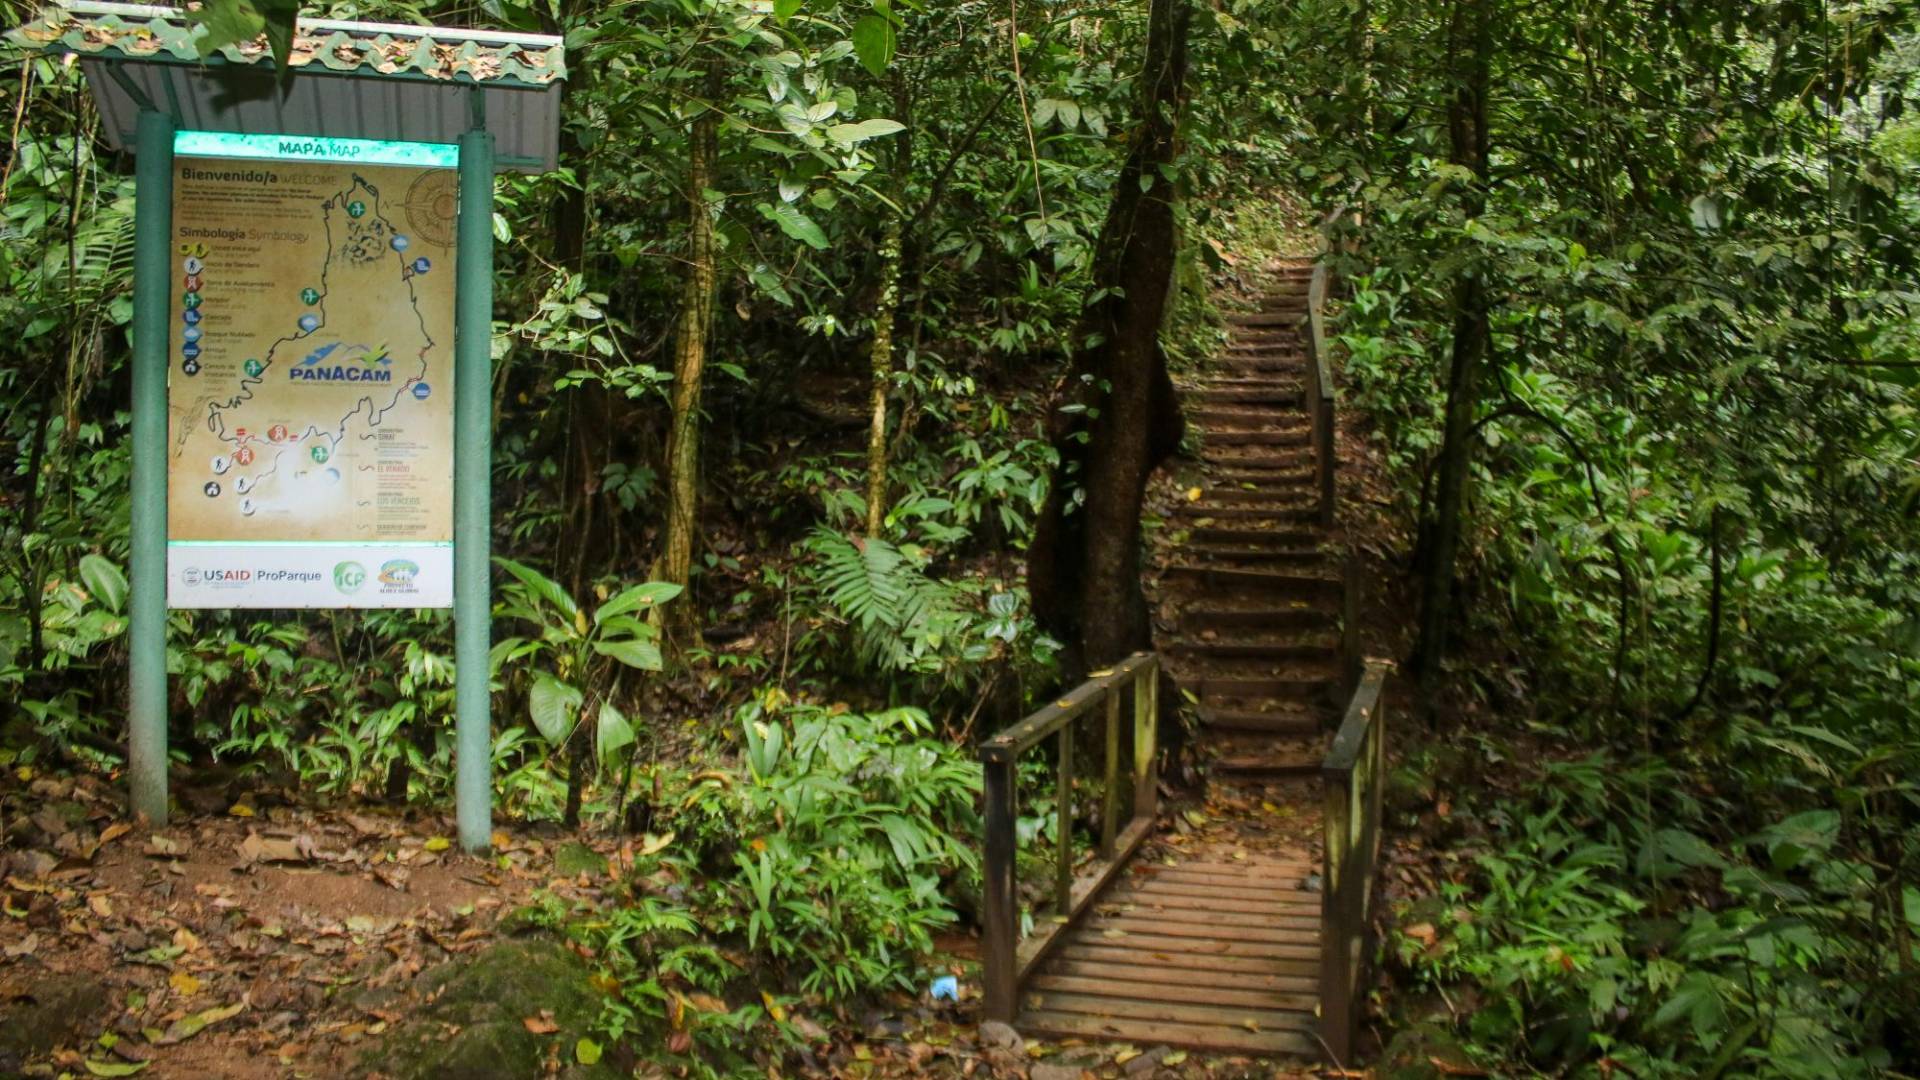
<point>946,988</point>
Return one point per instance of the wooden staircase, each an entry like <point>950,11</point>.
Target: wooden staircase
<point>1250,610</point>
<point>1214,952</point>
<point>1256,946</point>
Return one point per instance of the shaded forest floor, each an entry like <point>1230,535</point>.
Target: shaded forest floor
<point>261,935</point>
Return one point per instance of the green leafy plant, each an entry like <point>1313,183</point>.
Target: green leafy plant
<point>574,664</point>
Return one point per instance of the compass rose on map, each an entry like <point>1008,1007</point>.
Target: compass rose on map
<point>431,204</point>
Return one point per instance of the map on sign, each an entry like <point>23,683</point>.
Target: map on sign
<point>311,363</point>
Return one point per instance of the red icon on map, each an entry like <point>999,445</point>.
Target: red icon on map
<point>241,434</point>
<point>243,456</point>
<point>192,282</point>
<point>277,433</point>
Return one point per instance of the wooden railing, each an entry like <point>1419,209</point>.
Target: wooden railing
<point>1006,960</point>
<point>1355,774</point>
<point>1320,391</point>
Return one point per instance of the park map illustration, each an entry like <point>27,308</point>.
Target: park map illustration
<point>310,380</point>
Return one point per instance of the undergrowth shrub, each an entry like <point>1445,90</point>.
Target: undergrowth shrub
<point>815,870</point>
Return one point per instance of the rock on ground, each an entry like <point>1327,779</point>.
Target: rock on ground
<point>484,1001</point>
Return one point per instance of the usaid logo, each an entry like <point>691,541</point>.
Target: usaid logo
<point>214,576</point>
<point>191,575</point>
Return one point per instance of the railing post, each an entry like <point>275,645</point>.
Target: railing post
<point>1146,734</point>
<point>1063,826</point>
<point>1336,976</point>
<point>1350,660</point>
<point>1110,784</point>
<point>1001,979</point>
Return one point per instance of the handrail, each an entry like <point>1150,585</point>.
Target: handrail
<point>1354,772</point>
<point>1006,960</point>
<point>1320,390</point>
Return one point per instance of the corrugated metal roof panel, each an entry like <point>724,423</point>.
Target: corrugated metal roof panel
<point>356,80</point>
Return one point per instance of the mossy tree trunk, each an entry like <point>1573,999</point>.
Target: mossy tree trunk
<point>1118,416</point>
<point>675,564</point>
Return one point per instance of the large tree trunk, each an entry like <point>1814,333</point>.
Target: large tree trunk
<point>1084,564</point>
<point>675,563</point>
<point>1471,46</point>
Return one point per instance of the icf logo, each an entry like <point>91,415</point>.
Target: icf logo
<point>349,576</point>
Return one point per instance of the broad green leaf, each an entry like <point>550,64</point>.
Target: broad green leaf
<point>613,733</point>
<point>542,587</point>
<point>874,42</point>
<point>586,1051</point>
<point>644,595</point>
<point>553,705</point>
<point>105,581</point>
<point>852,134</point>
<point>782,11</point>
<point>796,224</point>
<point>116,1068</point>
<point>644,655</point>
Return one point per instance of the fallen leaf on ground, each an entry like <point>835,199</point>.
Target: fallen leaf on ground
<point>256,848</point>
<point>540,1025</point>
<point>188,1026</point>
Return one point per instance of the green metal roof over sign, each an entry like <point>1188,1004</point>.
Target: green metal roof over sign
<point>349,80</point>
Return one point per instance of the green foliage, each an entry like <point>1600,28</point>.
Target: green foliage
<point>573,664</point>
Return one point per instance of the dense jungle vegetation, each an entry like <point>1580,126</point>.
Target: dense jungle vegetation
<point>826,337</point>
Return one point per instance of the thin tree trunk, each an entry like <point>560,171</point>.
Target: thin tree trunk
<point>1084,563</point>
<point>697,297</point>
<point>1471,46</point>
<point>881,354</point>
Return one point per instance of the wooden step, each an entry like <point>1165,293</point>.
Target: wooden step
<point>1251,513</point>
<point>1277,767</point>
<point>1215,1038</point>
<point>1268,318</point>
<point>1225,534</point>
<point>1301,618</point>
<point>1102,985</point>
<point>1256,438</point>
<point>1273,723</point>
<point>1258,650</point>
<point>1241,687</point>
<point>1222,555</point>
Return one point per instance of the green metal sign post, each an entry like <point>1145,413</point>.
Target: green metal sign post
<point>472,495</point>
<point>147,630</point>
<point>219,143</point>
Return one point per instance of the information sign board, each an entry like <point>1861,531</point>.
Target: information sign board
<point>310,373</point>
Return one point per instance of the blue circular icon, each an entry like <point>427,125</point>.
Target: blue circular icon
<point>399,242</point>
<point>190,317</point>
<point>331,476</point>
<point>421,265</point>
<point>421,390</point>
<point>309,323</point>
<point>190,335</point>
<point>190,351</point>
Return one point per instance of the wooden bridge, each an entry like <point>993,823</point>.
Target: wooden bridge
<point>1225,951</point>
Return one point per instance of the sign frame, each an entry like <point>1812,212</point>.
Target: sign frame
<point>305,573</point>
<point>473,440</point>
